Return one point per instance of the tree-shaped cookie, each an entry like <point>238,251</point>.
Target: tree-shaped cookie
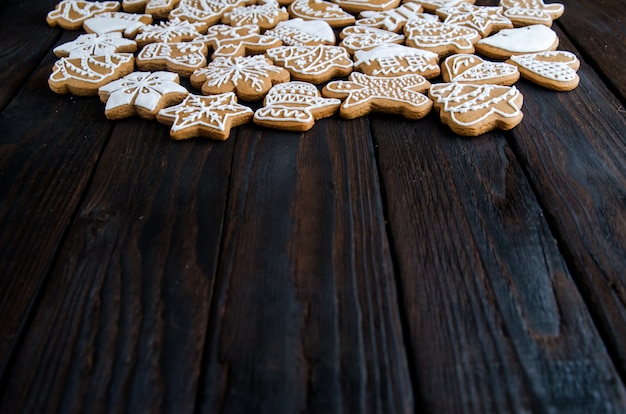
<point>364,94</point>
<point>250,77</point>
<point>471,110</point>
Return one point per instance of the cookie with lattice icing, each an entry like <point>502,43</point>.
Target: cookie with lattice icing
<point>329,12</point>
<point>441,38</point>
<point>363,94</point>
<point>298,32</point>
<point>520,41</point>
<point>141,93</point>
<point>485,20</point>
<point>228,41</point>
<point>157,8</point>
<point>266,15</point>
<point>471,110</point>
<point>465,68</point>
<point>180,57</point>
<point>83,75</point>
<point>294,106</point>
<point>553,70</point>
<point>315,64</point>
<point>205,116</point>
<point>71,14</point>
<point>528,12</point>
<point>392,20</point>
<point>390,59</point>
<point>167,31</point>
<point>92,44</point>
<point>126,23</point>
<point>250,77</point>
<point>365,38</point>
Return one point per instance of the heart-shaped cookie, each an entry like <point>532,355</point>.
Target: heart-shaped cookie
<point>554,70</point>
<point>464,68</point>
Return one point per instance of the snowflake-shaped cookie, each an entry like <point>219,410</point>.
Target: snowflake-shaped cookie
<point>441,38</point>
<point>250,77</point>
<point>315,64</point>
<point>126,23</point>
<point>228,41</point>
<point>466,68</point>
<point>485,20</point>
<point>94,45</point>
<point>204,13</point>
<point>157,8</point>
<point>205,116</point>
<point>175,30</point>
<point>365,38</point>
<point>364,94</point>
<point>294,106</point>
<point>181,57</point>
<point>392,20</point>
<point>141,93</point>
<point>70,14</point>
<point>266,16</point>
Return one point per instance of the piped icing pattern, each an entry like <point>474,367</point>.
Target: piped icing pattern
<point>315,64</point>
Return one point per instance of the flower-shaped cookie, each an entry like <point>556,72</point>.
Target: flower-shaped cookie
<point>250,77</point>
<point>364,94</point>
<point>205,116</point>
<point>96,45</point>
<point>141,93</point>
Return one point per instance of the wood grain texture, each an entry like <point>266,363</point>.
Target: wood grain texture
<point>496,323</point>
<point>598,28</point>
<point>305,316</point>
<point>574,151</point>
<point>122,323</point>
<point>48,148</point>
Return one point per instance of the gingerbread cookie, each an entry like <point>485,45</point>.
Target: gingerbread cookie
<point>298,32</point>
<point>315,64</point>
<point>553,70</point>
<point>266,16</point>
<point>141,93</point>
<point>228,41</point>
<point>431,6</point>
<point>182,57</point>
<point>175,30</point>
<point>95,45</point>
<point>204,13</point>
<point>391,59</point>
<point>392,20</point>
<point>157,8</point>
<point>485,20</point>
<point>441,38</point>
<point>364,94</point>
<point>464,68</point>
<point>294,106</point>
<point>329,12</point>
<point>70,14</point>
<point>126,23</point>
<point>83,75</point>
<point>529,39</point>
<point>472,110</point>
<point>358,6</point>
<point>205,116</point>
<point>365,38</point>
<point>528,12</point>
<point>250,77</point>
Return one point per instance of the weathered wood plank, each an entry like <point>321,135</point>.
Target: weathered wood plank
<point>574,151</point>
<point>25,39</point>
<point>496,322</point>
<point>48,148</point>
<point>598,28</point>
<point>121,325</point>
<point>305,316</point>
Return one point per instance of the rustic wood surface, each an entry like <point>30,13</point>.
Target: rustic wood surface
<point>372,265</point>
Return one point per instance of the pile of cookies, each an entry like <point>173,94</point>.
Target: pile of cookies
<point>308,59</point>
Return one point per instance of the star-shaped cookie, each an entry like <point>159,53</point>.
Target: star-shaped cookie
<point>486,20</point>
<point>364,94</point>
<point>205,116</point>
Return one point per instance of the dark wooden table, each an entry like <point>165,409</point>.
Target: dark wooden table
<point>373,265</point>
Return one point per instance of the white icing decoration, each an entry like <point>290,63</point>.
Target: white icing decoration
<point>250,69</point>
<point>363,37</point>
<point>116,22</point>
<point>94,45</point>
<point>323,10</point>
<point>427,34</point>
<point>557,66</point>
<point>390,57</point>
<point>467,68</point>
<point>232,41</point>
<point>529,39</point>
<point>89,69</point>
<point>256,14</point>
<point>187,54</point>
<point>297,32</point>
<point>75,11</point>
<point>167,31</point>
<point>311,60</point>
<point>480,18</point>
<point>392,20</point>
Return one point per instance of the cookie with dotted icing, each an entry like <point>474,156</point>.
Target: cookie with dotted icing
<point>298,32</point>
<point>441,38</point>
<point>266,15</point>
<point>390,59</point>
<point>471,110</point>
<point>141,93</point>
<point>315,64</point>
<point>528,12</point>
<point>228,41</point>
<point>465,68</point>
<point>92,44</point>
<point>250,77</point>
<point>553,70</point>
<point>180,57</point>
<point>71,14</point>
<point>167,31</point>
<point>392,20</point>
<point>485,20</point>
<point>294,106</point>
<point>363,94</point>
<point>205,116</point>
<point>83,75</point>
<point>126,23</point>
<point>329,12</point>
<point>365,38</point>
<point>520,41</point>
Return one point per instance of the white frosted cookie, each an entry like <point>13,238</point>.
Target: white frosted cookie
<point>329,12</point>
<point>520,41</point>
<point>364,94</point>
<point>126,23</point>
<point>70,14</point>
<point>315,64</point>
<point>141,93</point>
<point>464,68</point>
<point>92,44</point>
<point>472,110</point>
<point>553,70</point>
<point>390,59</point>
